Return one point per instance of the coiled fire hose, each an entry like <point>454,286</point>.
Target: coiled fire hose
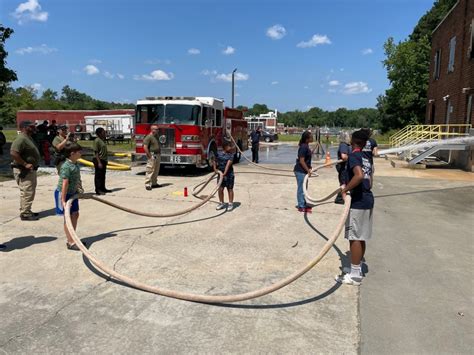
<point>208,298</point>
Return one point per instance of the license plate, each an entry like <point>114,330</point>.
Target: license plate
<point>175,159</point>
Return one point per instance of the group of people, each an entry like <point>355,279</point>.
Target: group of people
<point>26,160</point>
<point>355,174</point>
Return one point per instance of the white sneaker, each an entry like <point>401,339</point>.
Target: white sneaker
<point>230,207</point>
<point>348,280</point>
<point>220,206</point>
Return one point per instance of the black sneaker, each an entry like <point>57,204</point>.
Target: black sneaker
<point>28,217</point>
<point>155,186</point>
<point>148,188</point>
<point>108,191</point>
<point>100,193</point>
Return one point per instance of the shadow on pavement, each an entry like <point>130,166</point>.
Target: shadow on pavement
<point>25,242</point>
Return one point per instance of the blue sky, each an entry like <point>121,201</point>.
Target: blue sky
<point>289,54</point>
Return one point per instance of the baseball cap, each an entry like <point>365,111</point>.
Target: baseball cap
<point>24,124</point>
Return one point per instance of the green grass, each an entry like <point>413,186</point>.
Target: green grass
<point>289,137</point>
<point>10,134</point>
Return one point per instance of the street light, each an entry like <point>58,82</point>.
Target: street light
<point>233,87</point>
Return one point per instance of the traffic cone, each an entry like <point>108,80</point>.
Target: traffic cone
<point>328,159</point>
<point>185,192</point>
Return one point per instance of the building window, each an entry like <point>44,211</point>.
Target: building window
<point>449,111</point>
<point>469,110</point>
<point>452,51</point>
<point>471,42</point>
<point>437,64</point>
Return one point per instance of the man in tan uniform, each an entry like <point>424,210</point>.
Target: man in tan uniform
<point>26,157</point>
<point>151,146</point>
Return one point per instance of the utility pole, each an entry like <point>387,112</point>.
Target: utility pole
<point>233,87</point>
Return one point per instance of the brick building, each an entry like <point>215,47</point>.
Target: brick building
<point>451,83</point>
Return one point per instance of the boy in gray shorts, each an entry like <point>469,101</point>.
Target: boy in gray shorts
<point>359,221</point>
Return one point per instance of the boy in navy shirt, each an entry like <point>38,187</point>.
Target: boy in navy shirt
<point>224,164</point>
<point>359,221</point>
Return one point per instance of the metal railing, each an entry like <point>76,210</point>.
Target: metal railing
<point>414,134</point>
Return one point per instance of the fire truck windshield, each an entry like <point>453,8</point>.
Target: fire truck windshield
<point>169,114</point>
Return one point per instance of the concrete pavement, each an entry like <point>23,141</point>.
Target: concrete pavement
<point>52,300</point>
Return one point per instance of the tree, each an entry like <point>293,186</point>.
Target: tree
<point>6,75</point>
<point>407,65</point>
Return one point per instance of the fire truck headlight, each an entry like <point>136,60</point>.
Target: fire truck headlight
<point>190,138</point>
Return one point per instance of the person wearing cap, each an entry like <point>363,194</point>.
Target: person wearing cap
<point>360,218</point>
<point>59,142</point>
<point>26,158</point>
<point>151,146</point>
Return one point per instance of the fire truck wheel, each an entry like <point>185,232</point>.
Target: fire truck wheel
<point>78,128</point>
<point>87,137</point>
<point>211,157</point>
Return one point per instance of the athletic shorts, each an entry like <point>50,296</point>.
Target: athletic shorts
<point>228,181</point>
<point>59,207</point>
<point>359,225</point>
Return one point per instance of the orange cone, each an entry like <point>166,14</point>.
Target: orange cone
<point>328,159</point>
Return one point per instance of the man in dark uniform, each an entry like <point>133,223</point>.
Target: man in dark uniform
<point>100,161</point>
<point>255,140</point>
<point>26,158</point>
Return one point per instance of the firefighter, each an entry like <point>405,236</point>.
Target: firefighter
<point>151,146</point>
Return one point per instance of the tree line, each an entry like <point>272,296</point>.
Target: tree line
<point>404,102</point>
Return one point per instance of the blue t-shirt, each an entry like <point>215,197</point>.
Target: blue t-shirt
<point>305,152</point>
<point>369,149</point>
<point>222,159</point>
<point>362,197</point>
<point>344,148</point>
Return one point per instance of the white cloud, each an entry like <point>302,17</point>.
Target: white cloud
<point>155,75</point>
<point>314,41</point>
<point>208,72</point>
<point>91,69</point>
<point>193,51</point>
<point>228,77</point>
<point>356,87</point>
<point>367,51</point>
<point>120,76</point>
<point>30,11</point>
<point>109,75</point>
<point>334,83</point>
<point>276,32</point>
<point>229,50</point>
<point>37,87</point>
<point>274,82</point>
<point>43,49</point>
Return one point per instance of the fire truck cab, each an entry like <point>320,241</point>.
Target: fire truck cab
<point>191,129</point>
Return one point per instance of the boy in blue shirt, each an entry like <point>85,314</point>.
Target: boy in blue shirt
<point>224,164</point>
<point>359,221</point>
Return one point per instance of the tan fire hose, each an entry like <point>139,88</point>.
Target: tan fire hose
<point>207,298</point>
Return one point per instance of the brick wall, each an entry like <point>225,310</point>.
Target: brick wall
<point>457,23</point>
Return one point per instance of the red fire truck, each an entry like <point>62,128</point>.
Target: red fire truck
<point>191,129</point>
<point>74,119</point>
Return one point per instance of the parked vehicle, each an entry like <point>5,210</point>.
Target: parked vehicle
<point>191,129</point>
<point>74,119</point>
<point>268,136</point>
<point>118,127</point>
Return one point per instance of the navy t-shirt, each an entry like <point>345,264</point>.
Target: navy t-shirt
<point>344,148</point>
<point>303,151</point>
<point>362,197</point>
<point>369,148</point>
<point>222,159</point>
<point>255,137</point>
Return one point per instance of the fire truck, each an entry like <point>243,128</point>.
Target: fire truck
<point>191,129</point>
